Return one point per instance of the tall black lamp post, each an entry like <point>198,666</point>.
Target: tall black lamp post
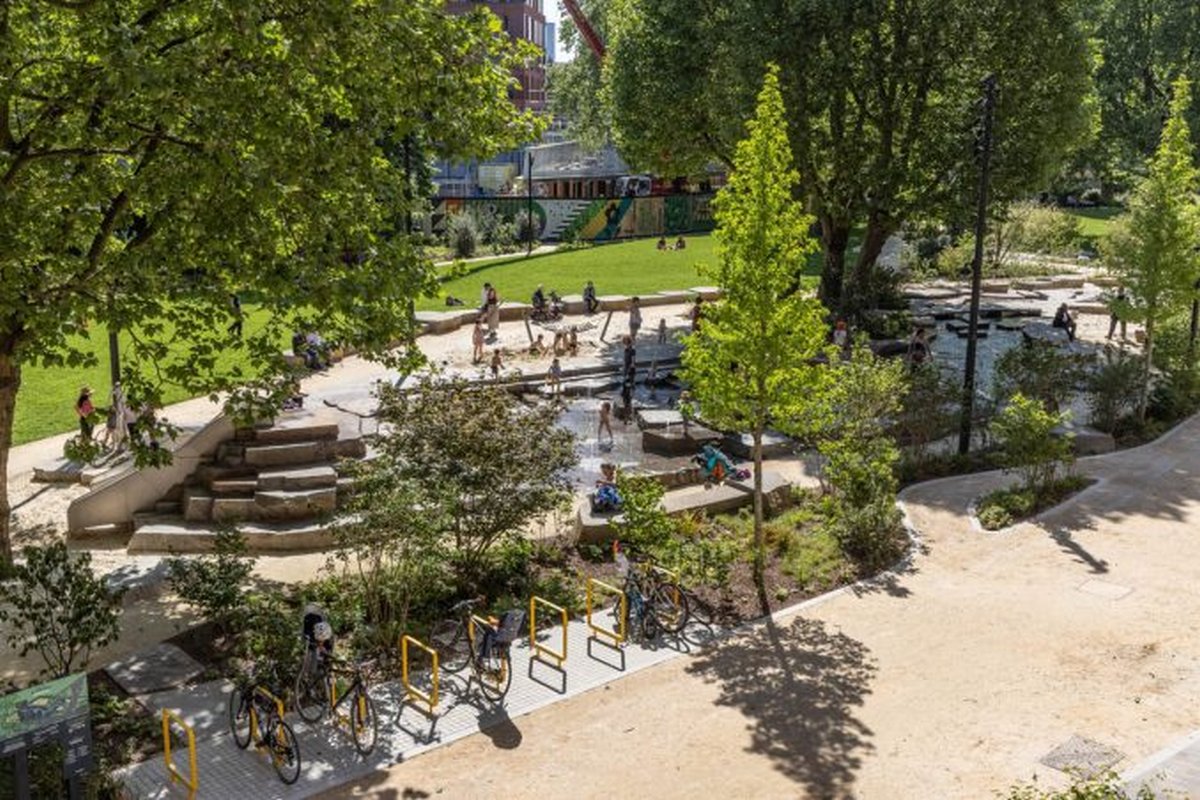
<point>985,163</point>
<point>529,209</point>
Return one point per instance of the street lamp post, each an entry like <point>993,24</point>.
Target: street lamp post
<point>529,209</point>
<point>985,163</point>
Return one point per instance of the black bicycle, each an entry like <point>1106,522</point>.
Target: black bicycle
<point>319,690</point>
<point>654,602</point>
<point>256,715</point>
<point>467,639</point>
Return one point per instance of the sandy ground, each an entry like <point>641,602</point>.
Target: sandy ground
<point>950,680</point>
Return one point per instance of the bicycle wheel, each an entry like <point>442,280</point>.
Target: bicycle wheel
<point>312,694</point>
<point>239,717</point>
<point>670,607</point>
<point>364,724</point>
<point>449,639</point>
<point>285,752</point>
<point>494,673</point>
<point>698,610</point>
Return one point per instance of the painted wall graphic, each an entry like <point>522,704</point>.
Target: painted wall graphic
<point>601,220</point>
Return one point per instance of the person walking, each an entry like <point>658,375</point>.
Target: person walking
<point>235,327</point>
<point>1115,311</point>
<point>492,305</point>
<point>477,341</point>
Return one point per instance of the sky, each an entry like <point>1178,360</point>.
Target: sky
<point>554,13</point>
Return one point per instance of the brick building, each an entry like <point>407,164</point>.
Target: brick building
<point>521,19</point>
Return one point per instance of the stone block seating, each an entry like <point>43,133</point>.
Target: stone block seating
<point>614,302</point>
<point>693,498</point>
<point>277,485</point>
<point>675,442</point>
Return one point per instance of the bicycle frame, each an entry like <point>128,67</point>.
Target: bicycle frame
<point>260,692</point>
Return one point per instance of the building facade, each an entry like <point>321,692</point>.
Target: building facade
<point>524,20</point>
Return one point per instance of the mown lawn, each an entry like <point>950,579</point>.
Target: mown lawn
<point>1096,223</point>
<point>45,404</point>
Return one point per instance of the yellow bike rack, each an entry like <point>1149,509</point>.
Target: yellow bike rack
<point>192,781</point>
<point>537,647</point>
<point>430,699</point>
<point>617,638</point>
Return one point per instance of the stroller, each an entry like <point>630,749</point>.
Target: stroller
<point>547,311</point>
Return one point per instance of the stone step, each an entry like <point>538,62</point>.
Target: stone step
<point>315,477</point>
<point>197,503</point>
<point>232,509</point>
<point>281,504</point>
<point>298,454</point>
<point>291,434</point>
<point>207,473</point>
<point>235,486</point>
<point>174,535</point>
<point>168,507</point>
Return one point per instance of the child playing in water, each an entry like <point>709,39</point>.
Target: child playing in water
<point>497,364</point>
<point>554,377</point>
<point>573,342</point>
<point>605,422</point>
<point>477,337</point>
<point>538,347</point>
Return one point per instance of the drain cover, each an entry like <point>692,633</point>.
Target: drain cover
<point>1082,757</point>
<point>1099,588</point>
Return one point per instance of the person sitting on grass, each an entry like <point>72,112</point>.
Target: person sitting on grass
<point>680,244</point>
<point>662,243</point>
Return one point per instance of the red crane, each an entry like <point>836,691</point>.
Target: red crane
<point>585,28</point>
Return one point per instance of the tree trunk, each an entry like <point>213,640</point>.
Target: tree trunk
<point>861,293</point>
<point>1144,401</point>
<point>10,381</point>
<point>760,547</point>
<point>835,237</point>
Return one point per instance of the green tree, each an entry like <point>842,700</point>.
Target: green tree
<point>1152,251</point>
<point>859,397</point>
<point>749,363</point>
<point>483,462</point>
<point>157,157</point>
<point>1024,431</point>
<point>56,605</point>
<point>880,97</point>
<point>393,536</point>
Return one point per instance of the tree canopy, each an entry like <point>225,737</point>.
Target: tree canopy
<point>157,157</point>
<point>881,100</point>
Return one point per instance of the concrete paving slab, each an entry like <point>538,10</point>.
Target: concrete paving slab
<point>163,666</point>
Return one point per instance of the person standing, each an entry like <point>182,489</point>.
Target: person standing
<point>84,409</point>
<point>605,423</point>
<point>497,364</point>
<point>590,304</point>
<point>477,341</point>
<point>492,304</point>
<point>629,356</point>
<point>697,313</point>
<point>635,317</point>
<point>235,327</point>
<point>1115,311</point>
<point>554,377</point>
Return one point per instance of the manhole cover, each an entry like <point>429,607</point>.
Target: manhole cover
<point>1082,757</point>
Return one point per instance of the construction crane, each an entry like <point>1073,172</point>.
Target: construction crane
<point>585,29</point>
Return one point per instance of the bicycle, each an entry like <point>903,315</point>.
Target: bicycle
<point>317,692</point>
<point>256,715</point>
<point>484,644</point>
<point>654,602</point>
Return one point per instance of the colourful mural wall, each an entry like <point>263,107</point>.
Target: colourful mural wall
<point>593,220</point>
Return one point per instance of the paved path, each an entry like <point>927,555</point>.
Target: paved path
<point>954,679</point>
<point>328,758</point>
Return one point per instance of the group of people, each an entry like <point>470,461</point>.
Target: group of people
<point>680,244</point>
<point>313,348</point>
<point>122,422</point>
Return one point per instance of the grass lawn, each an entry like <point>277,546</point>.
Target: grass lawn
<point>628,268</point>
<point>1096,223</point>
<point>45,404</point>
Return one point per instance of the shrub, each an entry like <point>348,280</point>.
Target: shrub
<point>270,638</point>
<point>1114,390</point>
<point>643,522</point>
<point>462,235</point>
<point>1024,431</point>
<point>994,516</point>
<point>503,237</point>
<point>1008,506</point>
<point>215,583</point>
<point>1108,786</point>
<point>1044,229</point>
<point>1040,372</point>
<point>56,605</point>
<point>81,450</point>
<point>813,558</point>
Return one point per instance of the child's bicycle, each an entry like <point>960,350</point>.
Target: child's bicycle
<point>654,601</point>
<point>484,644</point>
<point>318,690</point>
<point>256,714</point>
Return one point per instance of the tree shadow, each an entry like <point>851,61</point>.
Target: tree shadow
<point>1063,538</point>
<point>799,685</point>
